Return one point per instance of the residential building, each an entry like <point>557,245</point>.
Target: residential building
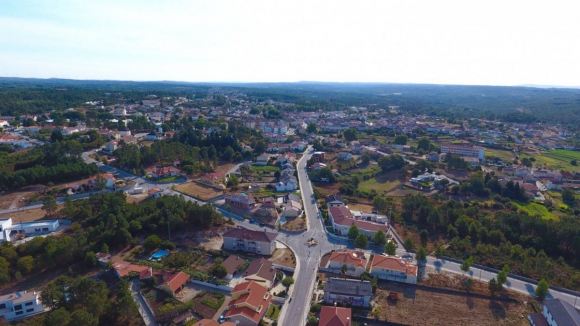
<point>155,193</point>
<point>114,144</point>
<point>391,268</point>
<point>262,159</point>
<point>159,172</point>
<point>433,157</point>
<point>10,232</point>
<point>231,264</point>
<point>20,304</point>
<point>261,271</point>
<point>353,259</point>
<point>249,303</point>
<point>240,201</point>
<point>334,201</point>
<point>342,219</point>
<point>292,209</point>
<point>287,183</point>
<point>259,242</point>
<point>556,312</point>
<point>464,150</point>
<point>211,322</point>
<point>126,269</point>
<point>350,292</point>
<point>174,283</point>
<point>344,156</point>
<point>13,141</point>
<point>335,316</point>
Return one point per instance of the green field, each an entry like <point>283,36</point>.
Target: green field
<point>379,184</point>
<point>266,169</point>
<point>556,160</point>
<point>273,312</point>
<point>506,156</point>
<point>533,208</point>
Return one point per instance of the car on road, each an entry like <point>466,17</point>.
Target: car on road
<point>262,224</point>
<point>252,220</point>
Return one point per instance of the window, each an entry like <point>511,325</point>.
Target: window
<point>18,307</point>
<point>3,306</point>
<point>19,313</point>
<point>30,310</point>
<point>29,303</point>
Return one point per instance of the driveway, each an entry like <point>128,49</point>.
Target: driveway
<point>146,314</point>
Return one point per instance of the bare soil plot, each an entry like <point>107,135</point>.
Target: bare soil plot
<point>207,304</point>
<point>367,208</point>
<point>294,224</point>
<point>284,257</point>
<point>199,191</point>
<point>12,199</point>
<point>214,243</point>
<point>448,309</point>
<point>136,198</point>
<point>27,215</point>
<point>327,189</point>
<point>225,167</point>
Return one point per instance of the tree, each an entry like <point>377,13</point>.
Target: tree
<point>361,241</point>
<point>391,248</point>
<point>58,317</point>
<point>152,242</point>
<point>343,270</point>
<point>492,286</point>
<point>219,271</point>
<point>233,180</point>
<point>380,239</point>
<point>401,139</point>
<point>85,318</point>
<point>439,251</point>
<point>423,143</point>
<point>542,289</point>
<point>105,248</point>
<point>228,153</point>
<point>574,162</point>
<point>311,128</point>
<point>56,136</point>
<point>353,232</point>
<point>365,158</point>
<point>350,134</point>
<point>502,276</point>
<point>424,237</point>
<point>287,281</point>
<point>49,205</point>
<point>100,182</point>
<point>91,259</point>
<point>421,254</point>
<point>466,265</point>
<point>380,203</point>
<point>25,264</point>
<point>409,244</point>
<point>568,196</point>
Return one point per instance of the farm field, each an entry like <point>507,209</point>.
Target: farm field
<point>556,160</point>
<point>505,156</point>
<point>381,183</point>
<point>27,215</point>
<point>537,209</point>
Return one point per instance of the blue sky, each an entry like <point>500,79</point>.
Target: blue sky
<point>449,42</point>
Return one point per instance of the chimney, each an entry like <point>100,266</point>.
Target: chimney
<point>335,304</point>
<point>347,321</point>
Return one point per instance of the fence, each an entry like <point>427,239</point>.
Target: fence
<point>147,303</point>
<point>283,268</point>
<point>219,287</point>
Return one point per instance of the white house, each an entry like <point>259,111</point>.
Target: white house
<point>287,184</point>
<point>20,304</point>
<point>556,312</point>
<point>262,159</point>
<point>292,208</point>
<point>9,231</point>
<point>334,200</point>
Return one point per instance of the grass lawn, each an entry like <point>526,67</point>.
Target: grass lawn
<point>533,208</point>
<point>167,179</point>
<point>382,182</point>
<point>557,160</point>
<point>506,156</point>
<point>273,312</point>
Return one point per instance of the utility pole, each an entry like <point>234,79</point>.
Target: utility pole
<point>168,229</point>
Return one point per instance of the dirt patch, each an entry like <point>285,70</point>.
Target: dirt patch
<point>225,167</point>
<point>12,199</point>
<point>198,191</point>
<point>136,198</point>
<point>294,224</point>
<point>214,243</point>
<point>324,260</point>
<point>447,309</point>
<point>455,174</point>
<point>27,215</point>
<point>367,208</point>
<point>284,257</point>
<point>327,189</point>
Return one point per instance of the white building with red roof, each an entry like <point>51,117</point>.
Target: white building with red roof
<point>353,259</point>
<point>174,283</point>
<point>392,268</point>
<point>249,303</point>
<point>342,219</point>
<point>158,172</point>
<point>109,177</point>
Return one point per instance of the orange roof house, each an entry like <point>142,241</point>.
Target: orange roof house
<point>174,283</point>
<point>335,316</point>
<point>393,269</point>
<point>250,302</point>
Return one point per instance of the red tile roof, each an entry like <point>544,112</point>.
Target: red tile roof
<point>123,268</point>
<point>394,264</point>
<point>241,233</point>
<point>176,281</point>
<point>335,316</point>
<point>254,295</point>
<point>343,216</point>
<point>349,257</point>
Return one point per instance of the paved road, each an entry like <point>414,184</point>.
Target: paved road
<point>146,314</point>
